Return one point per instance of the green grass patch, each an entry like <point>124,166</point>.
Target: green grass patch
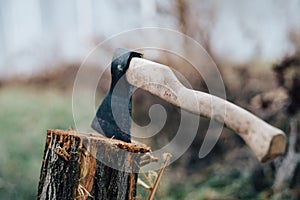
<point>25,115</point>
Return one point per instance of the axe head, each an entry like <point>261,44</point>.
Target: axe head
<point>113,118</point>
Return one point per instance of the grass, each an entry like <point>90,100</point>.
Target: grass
<point>226,186</point>
<point>25,115</point>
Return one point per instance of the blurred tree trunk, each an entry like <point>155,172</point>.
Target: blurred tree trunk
<point>287,167</point>
<point>182,9</point>
<point>72,167</point>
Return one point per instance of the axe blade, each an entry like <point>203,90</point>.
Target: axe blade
<point>113,118</point>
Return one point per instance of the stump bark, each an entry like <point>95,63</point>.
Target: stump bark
<point>89,166</point>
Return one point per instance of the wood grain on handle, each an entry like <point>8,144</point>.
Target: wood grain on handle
<point>267,142</point>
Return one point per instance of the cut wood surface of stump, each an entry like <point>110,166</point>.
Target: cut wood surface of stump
<point>73,167</point>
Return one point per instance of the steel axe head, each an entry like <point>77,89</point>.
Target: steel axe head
<point>113,118</point>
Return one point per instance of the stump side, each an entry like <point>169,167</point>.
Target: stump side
<point>72,167</point>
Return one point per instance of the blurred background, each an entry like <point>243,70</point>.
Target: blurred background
<point>255,44</point>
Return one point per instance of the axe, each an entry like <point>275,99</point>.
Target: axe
<point>129,69</point>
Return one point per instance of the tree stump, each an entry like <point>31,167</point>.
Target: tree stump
<point>89,166</point>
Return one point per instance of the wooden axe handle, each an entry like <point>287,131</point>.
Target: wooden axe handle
<point>266,141</point>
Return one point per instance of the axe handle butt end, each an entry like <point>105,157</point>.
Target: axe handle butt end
<point>277,148</point>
